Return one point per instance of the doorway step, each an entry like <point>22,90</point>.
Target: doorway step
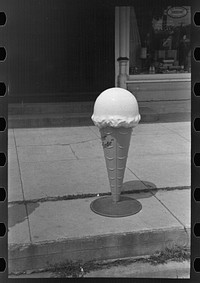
<point>34,115</point>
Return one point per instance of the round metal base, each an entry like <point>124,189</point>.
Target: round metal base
<point>107,207</point>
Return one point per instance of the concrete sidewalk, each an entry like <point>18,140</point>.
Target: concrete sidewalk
<point>55,173</point>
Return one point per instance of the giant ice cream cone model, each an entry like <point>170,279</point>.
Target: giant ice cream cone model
<point>115,142</point>
<point>115,114</point>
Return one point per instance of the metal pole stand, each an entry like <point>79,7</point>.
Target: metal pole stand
<point>105,206</point>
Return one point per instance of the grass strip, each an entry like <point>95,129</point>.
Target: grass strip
<point>78,269</point>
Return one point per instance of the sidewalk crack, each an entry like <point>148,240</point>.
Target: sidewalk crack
<point>20,174</point>
<point>153,194</point>
<point>73,151</point>
<point>170,212</point>
<point>94,132</point>
<point>138,178</point>
<point>179,134</point>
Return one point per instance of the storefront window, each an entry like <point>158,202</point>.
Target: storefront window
<point>160,40</point>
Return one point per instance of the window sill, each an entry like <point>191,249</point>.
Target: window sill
<point>148,78</point>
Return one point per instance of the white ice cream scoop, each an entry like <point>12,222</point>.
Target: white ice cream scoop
<point>116,107</point>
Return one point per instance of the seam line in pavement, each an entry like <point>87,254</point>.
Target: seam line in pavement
<point>171,212</point>
<point>163,154</point>
<point>162,203</point>
<point>29,229</point>
<point>94,132</point>
<point>74,153</point>
<point>138,178</point>
<point>178,133</point>
<point>61,144</point>
<point>93,195</point>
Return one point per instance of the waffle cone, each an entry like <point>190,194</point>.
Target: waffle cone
<point>115,142</point>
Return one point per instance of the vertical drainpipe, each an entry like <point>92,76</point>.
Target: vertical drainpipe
<point>123,59</point>
<point>123,76</point>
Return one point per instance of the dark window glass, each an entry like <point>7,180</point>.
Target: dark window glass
<point>160,39</point>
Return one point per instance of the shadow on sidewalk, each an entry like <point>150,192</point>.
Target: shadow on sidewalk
<point>137,188</point>
<point>17,213</point>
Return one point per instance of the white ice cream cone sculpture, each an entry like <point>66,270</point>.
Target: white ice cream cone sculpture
<point>115,142</point>
<point>115,114</point>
